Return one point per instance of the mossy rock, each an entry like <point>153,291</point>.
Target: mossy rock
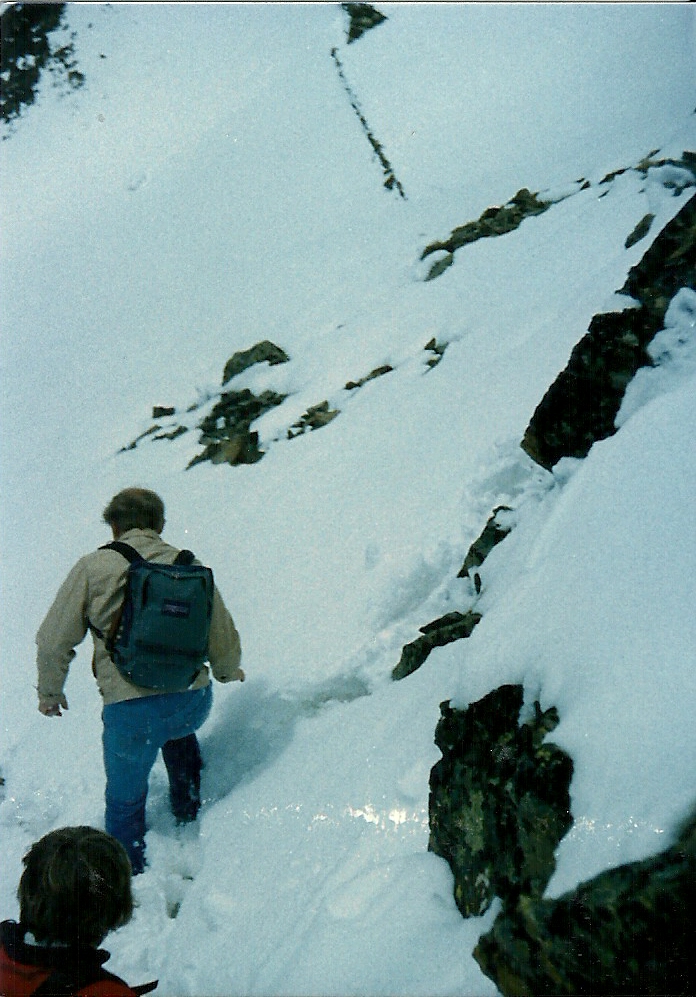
<point>628,931</point>
<point>263,352</point>
<point>499,799</point>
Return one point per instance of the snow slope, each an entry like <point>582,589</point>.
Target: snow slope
<point>211,187</point>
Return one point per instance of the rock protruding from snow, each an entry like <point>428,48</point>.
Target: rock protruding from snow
<point>493,532</point>
<point>453,626</point>
<point>632,931</point>
<point>263,352</point>
<point>32,42</point>
<point>499,799</point>
<point>581,405</point>
<point>361,17</point>
<point>494,221</point>
<point>226,434</point>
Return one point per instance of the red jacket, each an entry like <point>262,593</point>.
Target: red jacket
<point>24,968</point>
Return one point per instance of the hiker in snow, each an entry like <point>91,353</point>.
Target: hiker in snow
<point>75,889</point>
<point>140,648</point>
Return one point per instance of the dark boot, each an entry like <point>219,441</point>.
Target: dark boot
<point>182,758</point>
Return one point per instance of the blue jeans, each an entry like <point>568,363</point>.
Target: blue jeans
<point>134,731</point>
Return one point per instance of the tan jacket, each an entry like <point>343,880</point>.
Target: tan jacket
<point>90,596</point>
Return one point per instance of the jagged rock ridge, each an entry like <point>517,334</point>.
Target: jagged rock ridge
<point>494,221</point>
<point>581,405</point>
<point>500,220</point>
<point>391,182</point>
<point>627,931</point>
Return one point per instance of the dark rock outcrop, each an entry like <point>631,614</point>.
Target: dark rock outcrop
<point>226,432</point>
<point>315,417</point>
<point>493,532</point>
<point>640,231</point>
<point>263,352</point>
<point>377,372</point>
<point>581,405</point>
<point>628,931</point>
<point>684,177</point>
<point>494,221</point>
<point>438,351</point>
<point>499,800</point>
<point>28,47</point>
<point>500,220</point>
<point>499,797</point>
<point>390,181</point>
<point>361,18</point>
<point>163,411</point>
<point>453,626</point>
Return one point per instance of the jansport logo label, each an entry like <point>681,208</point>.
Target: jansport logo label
<point>170,607</point>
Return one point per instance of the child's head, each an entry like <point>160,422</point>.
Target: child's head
<point>76,887</point>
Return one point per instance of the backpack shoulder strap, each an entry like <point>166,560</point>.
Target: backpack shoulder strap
<point>130,553</point>
<point>133,557</point>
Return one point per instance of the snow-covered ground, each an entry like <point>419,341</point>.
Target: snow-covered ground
<point>211,186</point>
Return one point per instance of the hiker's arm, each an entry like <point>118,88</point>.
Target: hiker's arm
<point>63,628</point>
<point>224,645</point>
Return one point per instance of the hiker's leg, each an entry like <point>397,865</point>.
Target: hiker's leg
<point>130,750</point>
<point>181,752</point>
<point>182,758</point>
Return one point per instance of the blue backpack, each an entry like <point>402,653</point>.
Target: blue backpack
<point>159,637</point>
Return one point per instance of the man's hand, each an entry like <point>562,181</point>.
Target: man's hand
<point>236,676</point>
<point>50,706</point>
